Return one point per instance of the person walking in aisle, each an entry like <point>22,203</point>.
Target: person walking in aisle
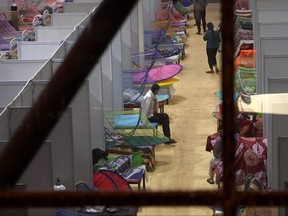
<point>200,14</point>
<point>212,45</point>
<point>150,108</point>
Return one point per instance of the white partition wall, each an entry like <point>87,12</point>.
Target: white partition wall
<point>9,90</point>
<point>270,4</point>
<point>4,5</point>
<point>19,70</point>
<point>80,135</point>
<point>53,33</point>
<point>270,38</point>
<point>81,1</point>
<point>79,7</point>
<point>44,176</point>
<point>96,97</point>
<point>62,148</point>
<point>140,26</point>
<point>32,50</point>
<point>117,72</point>
<point>107,78</point>
<point>67,19</point>
<point>55,155</point>
<point>147,14</point>
<point>269,20</point>
<point>81,128</point>
<point>126,41</point>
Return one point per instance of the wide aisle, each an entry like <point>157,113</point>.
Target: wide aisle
<point>184,166</point>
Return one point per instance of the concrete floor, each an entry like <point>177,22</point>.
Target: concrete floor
<point>184,166</point>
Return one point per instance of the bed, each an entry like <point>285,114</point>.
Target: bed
<point>251,159</point>
<point>7,31</point>
<point>130,129</point>
<point>245,58</point>
<point>246,80</point>
<point>243,40</point>
<point>156,74</point>
<point>167,22</point>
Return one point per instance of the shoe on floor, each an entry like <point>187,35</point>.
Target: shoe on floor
<point>171,141</point>
<point>199,33</point>
<point>211,72</point>
<point>195,25</point>
<point>210,181</point>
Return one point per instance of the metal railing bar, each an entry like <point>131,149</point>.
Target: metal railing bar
<point>167,198</point>
<point>230,203</point>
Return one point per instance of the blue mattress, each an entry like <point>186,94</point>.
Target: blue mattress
<point>127,121</point>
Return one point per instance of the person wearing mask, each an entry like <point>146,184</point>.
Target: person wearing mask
<point>213,40</point>
<point>150,108</point>
<point>200,14</point>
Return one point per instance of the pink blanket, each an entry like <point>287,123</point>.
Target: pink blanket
<point>157,74</point>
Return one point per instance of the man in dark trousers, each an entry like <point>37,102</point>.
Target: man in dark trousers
<point>212,46</point>
<point>200,14</point>
<point>150,108</point>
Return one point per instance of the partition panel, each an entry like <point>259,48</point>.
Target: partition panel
<point>270,22</point>
<point>61,155</point>
<point>147,14</point>
<point>67,19</point>
<point>36,50</point>
<point>45,73</point>
<point>273,29</point>
<point>279,122</point>
<point>43,181</point>
<point>53,33</point>
<point>275,66</point>
<point>126,45</point>
<point>96,91</point>
<point>73,36</point>
<point>272,15</point>
<point>19,70</point>
<point>140,26</point>
<point>269,4</point>
<point>9,90</point>
<point>79,7</point>
<point>107,78</point>
<point>80,126</point>
<point>275,85</point>
<point>117,72</point>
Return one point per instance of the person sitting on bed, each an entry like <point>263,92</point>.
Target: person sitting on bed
<point>150,107</point>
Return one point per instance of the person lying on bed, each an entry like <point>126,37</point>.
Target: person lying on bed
<point>150,107</point>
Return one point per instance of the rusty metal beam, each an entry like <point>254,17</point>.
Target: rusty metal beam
<point>59,92</point>
<point>168,198</point>
<point>227,9</point>
<point>40,199</point>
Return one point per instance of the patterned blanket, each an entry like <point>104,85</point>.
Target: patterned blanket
<point>250,158</point>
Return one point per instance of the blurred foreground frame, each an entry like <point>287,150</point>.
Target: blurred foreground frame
<point>57,95</point>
